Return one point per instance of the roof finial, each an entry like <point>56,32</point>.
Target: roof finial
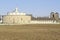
<point>16,10</point>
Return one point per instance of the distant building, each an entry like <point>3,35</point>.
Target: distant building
<point>54,16</point>
<point>16,17</point>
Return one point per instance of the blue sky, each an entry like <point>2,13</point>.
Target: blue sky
<point>35,7</point>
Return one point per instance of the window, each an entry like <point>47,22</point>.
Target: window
<point>21,19</point>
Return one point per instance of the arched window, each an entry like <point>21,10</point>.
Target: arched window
<point>53,15</point>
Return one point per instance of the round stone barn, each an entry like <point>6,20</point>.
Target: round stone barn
<point>15,17</point>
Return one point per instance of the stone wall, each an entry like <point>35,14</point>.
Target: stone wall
<point>16,19</point>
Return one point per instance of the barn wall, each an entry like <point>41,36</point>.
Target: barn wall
<point>16,19</point>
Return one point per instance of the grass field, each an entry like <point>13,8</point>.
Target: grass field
<point>30,32</point>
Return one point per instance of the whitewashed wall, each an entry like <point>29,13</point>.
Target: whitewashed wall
<point>44,22</point>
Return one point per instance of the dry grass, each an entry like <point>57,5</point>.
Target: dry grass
<point>30,32</point>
